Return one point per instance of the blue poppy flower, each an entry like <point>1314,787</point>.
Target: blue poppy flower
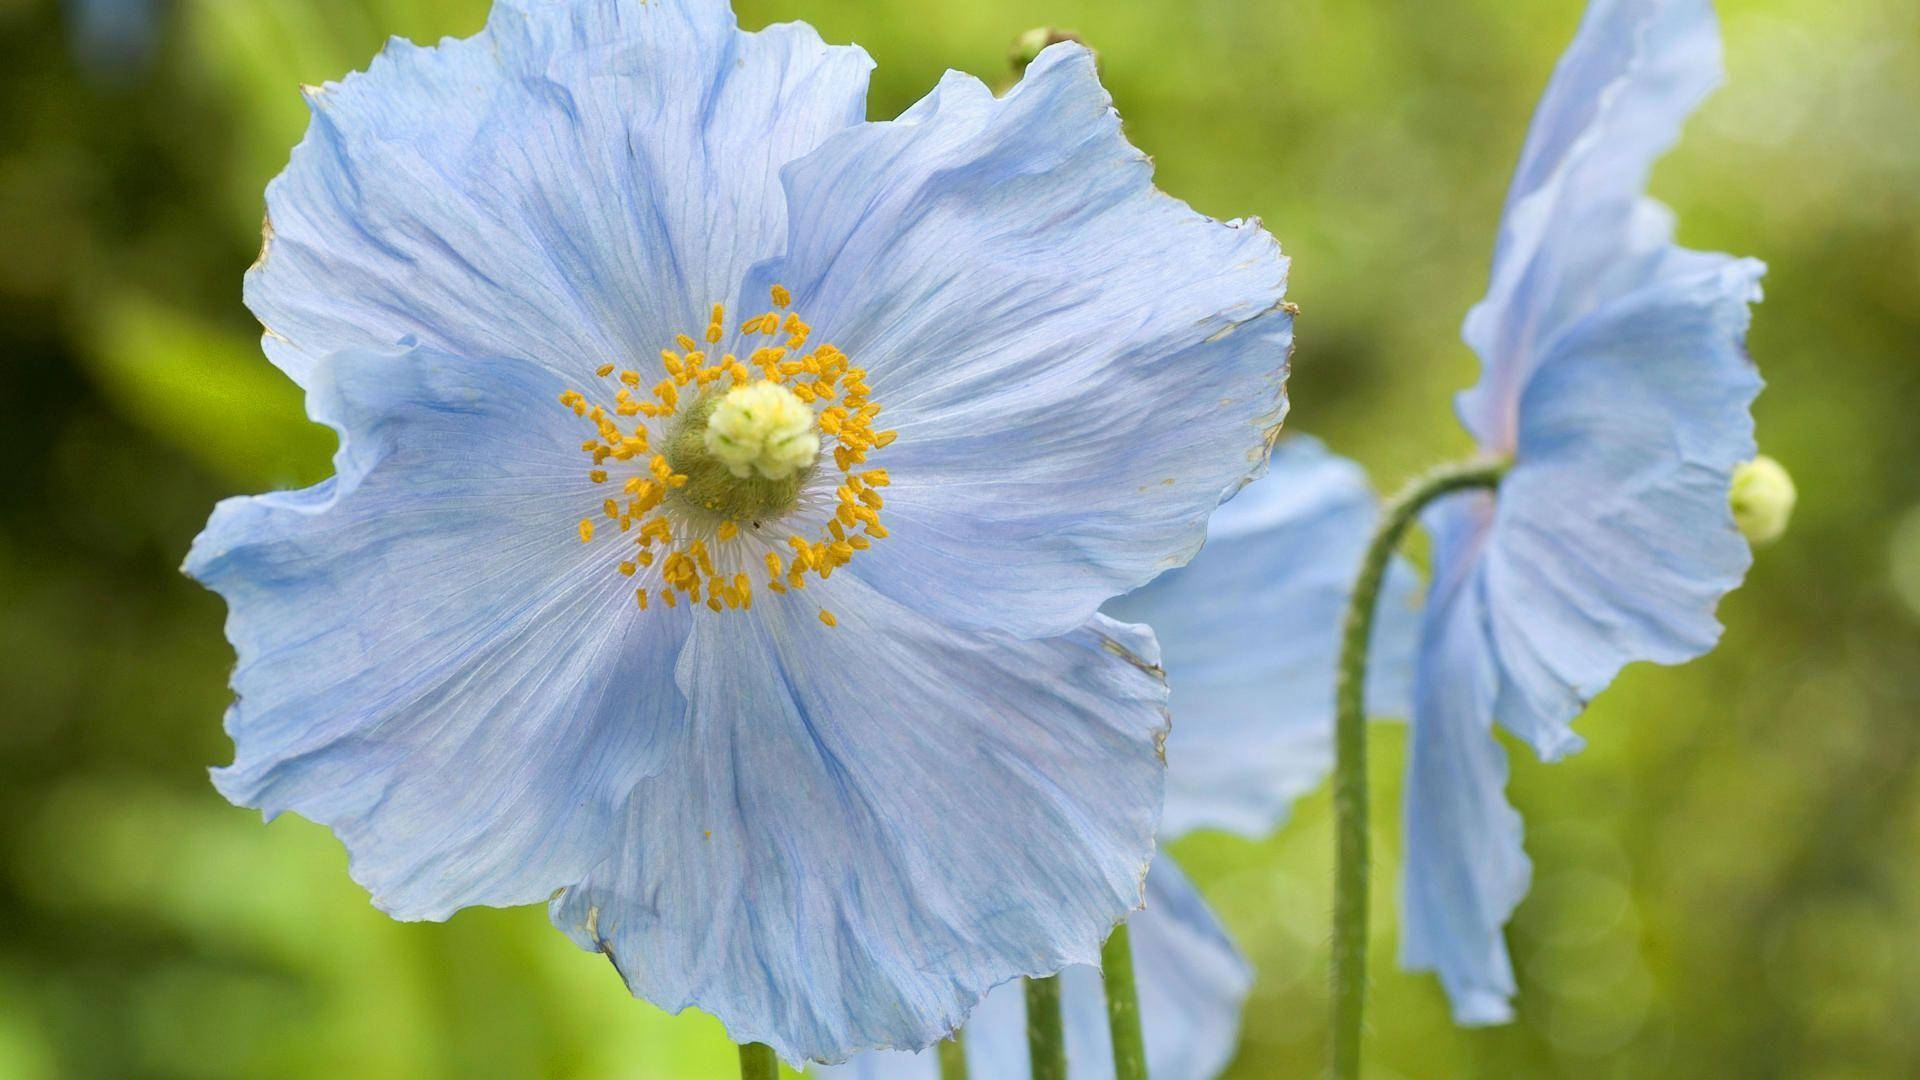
<point>727,491</point>
<point>1616,382</point>
<point>1249,632</point>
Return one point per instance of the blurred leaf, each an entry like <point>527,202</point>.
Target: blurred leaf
<point>208,392</point>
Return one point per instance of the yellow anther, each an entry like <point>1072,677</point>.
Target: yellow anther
<point>778,423</point>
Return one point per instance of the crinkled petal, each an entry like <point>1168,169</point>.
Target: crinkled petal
<point>1079,367</point>
<point>870,825</point>
<point>1465,869</point>
<point>1192,983</point>
<point>573,185</point>
<point>1250,633</point>
<point>1578,232</point>
<point>430,662</point>
<point>1614,539</point>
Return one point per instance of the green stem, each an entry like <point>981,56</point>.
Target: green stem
<point>758,1063</point>
<point>1351,857</point>
<point>953,1058</point>
<point>1123,1007</point>
<point>1046,1041</point>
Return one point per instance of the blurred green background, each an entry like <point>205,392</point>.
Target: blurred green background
<point>1725,881</point>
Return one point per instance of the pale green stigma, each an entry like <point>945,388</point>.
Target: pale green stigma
<point>746,453</point>
<point>762,429</point>
<point>1763,497</point>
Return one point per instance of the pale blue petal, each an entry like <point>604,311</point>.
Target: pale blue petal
<point>1250,633</point>
<point>1192,983</point>
<point>870,825</point>
<point>430,662</point>
<point>574,185</point>
<point>1614,539</point>
<point>1079,367</point>
<point>1465,870</point>
<point>1616,378</point>
<point>1578,231</point>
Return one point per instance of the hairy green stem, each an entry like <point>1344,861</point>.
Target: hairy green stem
<point>1123,1007</point>
<point>1046,1040</point>
<point>1352,871</point>
<point>953,1058</point>
<point>758,1063</point>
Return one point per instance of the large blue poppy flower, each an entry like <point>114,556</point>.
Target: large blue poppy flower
<point>1249,631</point>
<point>726,495</point>
<point>1616,382</point>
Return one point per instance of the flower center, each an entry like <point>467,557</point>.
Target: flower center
<point>744,453</point>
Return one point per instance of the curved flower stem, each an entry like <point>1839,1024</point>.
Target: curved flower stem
<point>953,1058</point>
<point>1046,1038</point>
<point>758,1063</point>
<point>1351,858</point>
<point>1123,1007</point>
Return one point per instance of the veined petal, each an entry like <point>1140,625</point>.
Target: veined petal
<point>1192,983</point>
<point>1614,539</point>
<point>1578,231</point>
<point>1079,367</point>
<point>428,663</point>
<point>573,185</point>
<point>1465,870</point>
<point>872,824</point>
<point>1250,633</point>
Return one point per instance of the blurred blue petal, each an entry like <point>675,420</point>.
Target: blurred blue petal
<point>853,800</point>
<point>574,185</point>
<point>1251,632</point>
<point>1465,870</point>
<point>114,39</point>
<point>1192,985</point>
<point>428,662</point>
<point>1579,230</point>
<point>1079,392</point>
<point>1616,379</point>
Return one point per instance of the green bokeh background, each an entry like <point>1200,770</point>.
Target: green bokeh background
<point>1725,881</point>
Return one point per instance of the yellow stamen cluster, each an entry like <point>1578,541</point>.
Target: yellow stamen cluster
<point>687,551</point>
